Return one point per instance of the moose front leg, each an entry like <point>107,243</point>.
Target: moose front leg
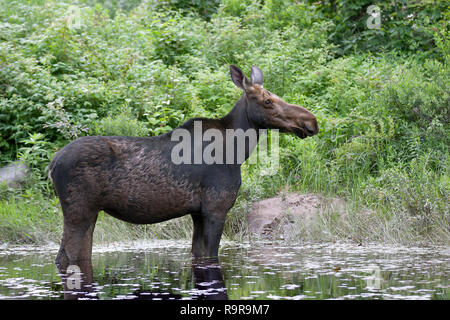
<point>208,230</point>
<point>210,220</point>
<point>198,247</point>
<point>213,229</point>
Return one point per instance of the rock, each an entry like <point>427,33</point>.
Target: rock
<point>264,213</point>
<point>283,211</point>
<point>14,174</point>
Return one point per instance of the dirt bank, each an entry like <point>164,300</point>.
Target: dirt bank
<point>285,212</point>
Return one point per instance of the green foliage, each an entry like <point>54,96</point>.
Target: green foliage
<point>141,68</point>
<point>36,154</point>
<point>405,25</point>
<point>419,99</point>
<point>417,193</point>
<point>29,218</point>
<point>120,125</point>
<point>205,8</point>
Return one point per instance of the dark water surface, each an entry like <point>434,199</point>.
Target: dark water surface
<point>256,270</point>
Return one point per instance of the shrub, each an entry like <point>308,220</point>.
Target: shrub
<point>120,125</point>
<point>417,191</point>
<point>405,25</point>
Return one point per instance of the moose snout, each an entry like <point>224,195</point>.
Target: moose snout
<point>305,121</point>
<point>311,127</point>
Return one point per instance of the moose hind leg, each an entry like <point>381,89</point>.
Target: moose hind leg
<point>76,243</point>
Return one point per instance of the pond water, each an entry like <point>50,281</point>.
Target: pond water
<point>254,270</point>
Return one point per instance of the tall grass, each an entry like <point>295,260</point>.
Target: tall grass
<point>29,218</point>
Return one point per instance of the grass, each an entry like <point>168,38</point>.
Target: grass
<point>386,209</point>
<point>29,218</point>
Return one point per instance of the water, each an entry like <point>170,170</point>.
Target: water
<point>257,270</point>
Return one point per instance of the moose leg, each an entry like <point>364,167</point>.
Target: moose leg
<point>208,225</point>
<point>212,233</point>
<point>76,243</point>
<point>208,230</point>
<point>76,247</point>
<point>198,246</point>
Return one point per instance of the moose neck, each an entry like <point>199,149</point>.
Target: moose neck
<point>238,118</point>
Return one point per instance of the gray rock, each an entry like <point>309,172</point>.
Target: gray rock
<point>14,174</point>
<point>269,215</point>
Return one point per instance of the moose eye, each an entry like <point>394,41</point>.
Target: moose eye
<point>268,101</point>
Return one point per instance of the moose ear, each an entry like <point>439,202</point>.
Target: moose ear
<point>239,78</point>
<point>257,76</point>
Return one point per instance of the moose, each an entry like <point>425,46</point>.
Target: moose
<point>133,178</point>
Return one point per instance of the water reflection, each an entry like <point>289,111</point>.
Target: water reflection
<point>77,281</point>
<point>209,285</point>
<point>165,270</point>
<point>209,280</point>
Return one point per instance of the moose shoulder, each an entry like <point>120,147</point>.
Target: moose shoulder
<point>138,181</point>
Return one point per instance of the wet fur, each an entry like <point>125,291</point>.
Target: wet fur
<point>133,179</point>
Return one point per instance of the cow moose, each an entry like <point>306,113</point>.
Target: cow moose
<point>134,178</point>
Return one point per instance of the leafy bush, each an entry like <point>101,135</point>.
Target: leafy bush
<point>418,192</point>
<point>120,125</point>
<point>36,154</point>
<point>142,68</point>
<point>405,25</point>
